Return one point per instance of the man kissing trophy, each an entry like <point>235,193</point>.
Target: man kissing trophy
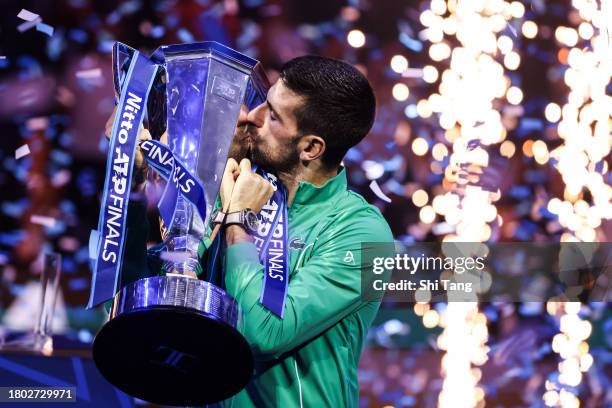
<point>172,339</point>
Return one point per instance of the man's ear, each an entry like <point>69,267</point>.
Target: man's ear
<point>311,147</point>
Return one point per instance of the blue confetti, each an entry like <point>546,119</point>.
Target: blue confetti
<point>65,139</point>
<point>14,209</point>
<point>525,230</point>
<point>546,214</point>
<point>354,155</point>
<point>78,284</point>
<point>55,46</point>
<point>105,46</point>
<point>113,18</point>
<point>56,229</point>
<point>60,157</point>
<point>85,336</point>
<point>30,67</point>
<point>184,35</point>
<point>86,181</point>
<point>395,163</point>
<point>82,255</point>
<point>5,257</point>
<point>158,31</point>
<point>519,192</point>
<point>599,166</point>
<point>78,35</point>
<point>531,124</point>
<point>171,21</point>
<point>536,176</point>
<point>67,207</point>
<point>411,43</point>
<point>69,266</point>
<point>45,28</point>
<point>12,238</point>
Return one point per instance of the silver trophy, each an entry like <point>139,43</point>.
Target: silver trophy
<point>174,339</point>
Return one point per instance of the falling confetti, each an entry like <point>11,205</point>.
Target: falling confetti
<point>43,220</point>
<point>31,20</point>
<point>22,152</point>
<point>27,25</point>
<point>45,28</point>
<point>27,15</point>
<point>379,193</point>
<point>413,73</point>
<point>89,73</point>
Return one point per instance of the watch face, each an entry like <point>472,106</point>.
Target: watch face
<point>251,220</point>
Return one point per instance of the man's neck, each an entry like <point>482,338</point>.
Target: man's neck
<point>316,175</point>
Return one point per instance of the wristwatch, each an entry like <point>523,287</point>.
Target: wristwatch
<point>217,217</point>
<point>246,218</point>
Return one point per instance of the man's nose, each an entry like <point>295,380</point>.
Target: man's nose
<point>256,116</point>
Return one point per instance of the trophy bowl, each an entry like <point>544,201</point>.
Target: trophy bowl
<point>145,350</point>
<point>174,339</point>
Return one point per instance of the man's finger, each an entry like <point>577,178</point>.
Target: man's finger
<point>232,171</point>
<point>144,135</point>
<point>231,166</point>
<point>245,165</point>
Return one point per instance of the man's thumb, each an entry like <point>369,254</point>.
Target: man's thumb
<point>245,166</point>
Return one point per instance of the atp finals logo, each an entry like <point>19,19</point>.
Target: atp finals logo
<point>120,182</point>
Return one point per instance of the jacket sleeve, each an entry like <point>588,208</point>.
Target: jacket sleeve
<point>323,291</point>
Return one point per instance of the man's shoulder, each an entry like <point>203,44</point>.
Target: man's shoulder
<point>354,203</point>
<point>353,211</point>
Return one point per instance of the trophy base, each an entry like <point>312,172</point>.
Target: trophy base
<point>172,340</point>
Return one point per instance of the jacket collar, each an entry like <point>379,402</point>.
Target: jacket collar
<point>308,193</point>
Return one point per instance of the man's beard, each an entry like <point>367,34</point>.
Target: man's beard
<point>243,146</point>
<point>285,160</point>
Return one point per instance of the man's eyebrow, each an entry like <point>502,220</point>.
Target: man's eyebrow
<point>274,110</point>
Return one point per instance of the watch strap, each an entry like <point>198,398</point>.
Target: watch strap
<point>218,217</point>
<point>234,218</point>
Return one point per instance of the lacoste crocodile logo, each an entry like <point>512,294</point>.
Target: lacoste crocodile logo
<point>297,243</point>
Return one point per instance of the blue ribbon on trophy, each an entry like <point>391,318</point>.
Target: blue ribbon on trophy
<point>179,181</point>
<point>120,162</point>
<point>271,243</point>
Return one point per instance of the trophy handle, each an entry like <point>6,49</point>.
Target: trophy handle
<point>122,54</point>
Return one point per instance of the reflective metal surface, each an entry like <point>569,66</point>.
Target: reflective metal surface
<point>179,291</point>
<point>173,340</point>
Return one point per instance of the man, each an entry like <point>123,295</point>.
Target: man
<point>317,110</point>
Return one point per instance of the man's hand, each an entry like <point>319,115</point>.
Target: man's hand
<point>250,190</point>
<point>231,173</point>
<point>140,165</point>
<point>139,162</point>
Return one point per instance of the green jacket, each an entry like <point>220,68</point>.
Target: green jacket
<point>310,357</point>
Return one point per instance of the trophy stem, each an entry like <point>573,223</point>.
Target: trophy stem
<point>182,244</point>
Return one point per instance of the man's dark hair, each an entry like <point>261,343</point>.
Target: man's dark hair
<point>339,103</point>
